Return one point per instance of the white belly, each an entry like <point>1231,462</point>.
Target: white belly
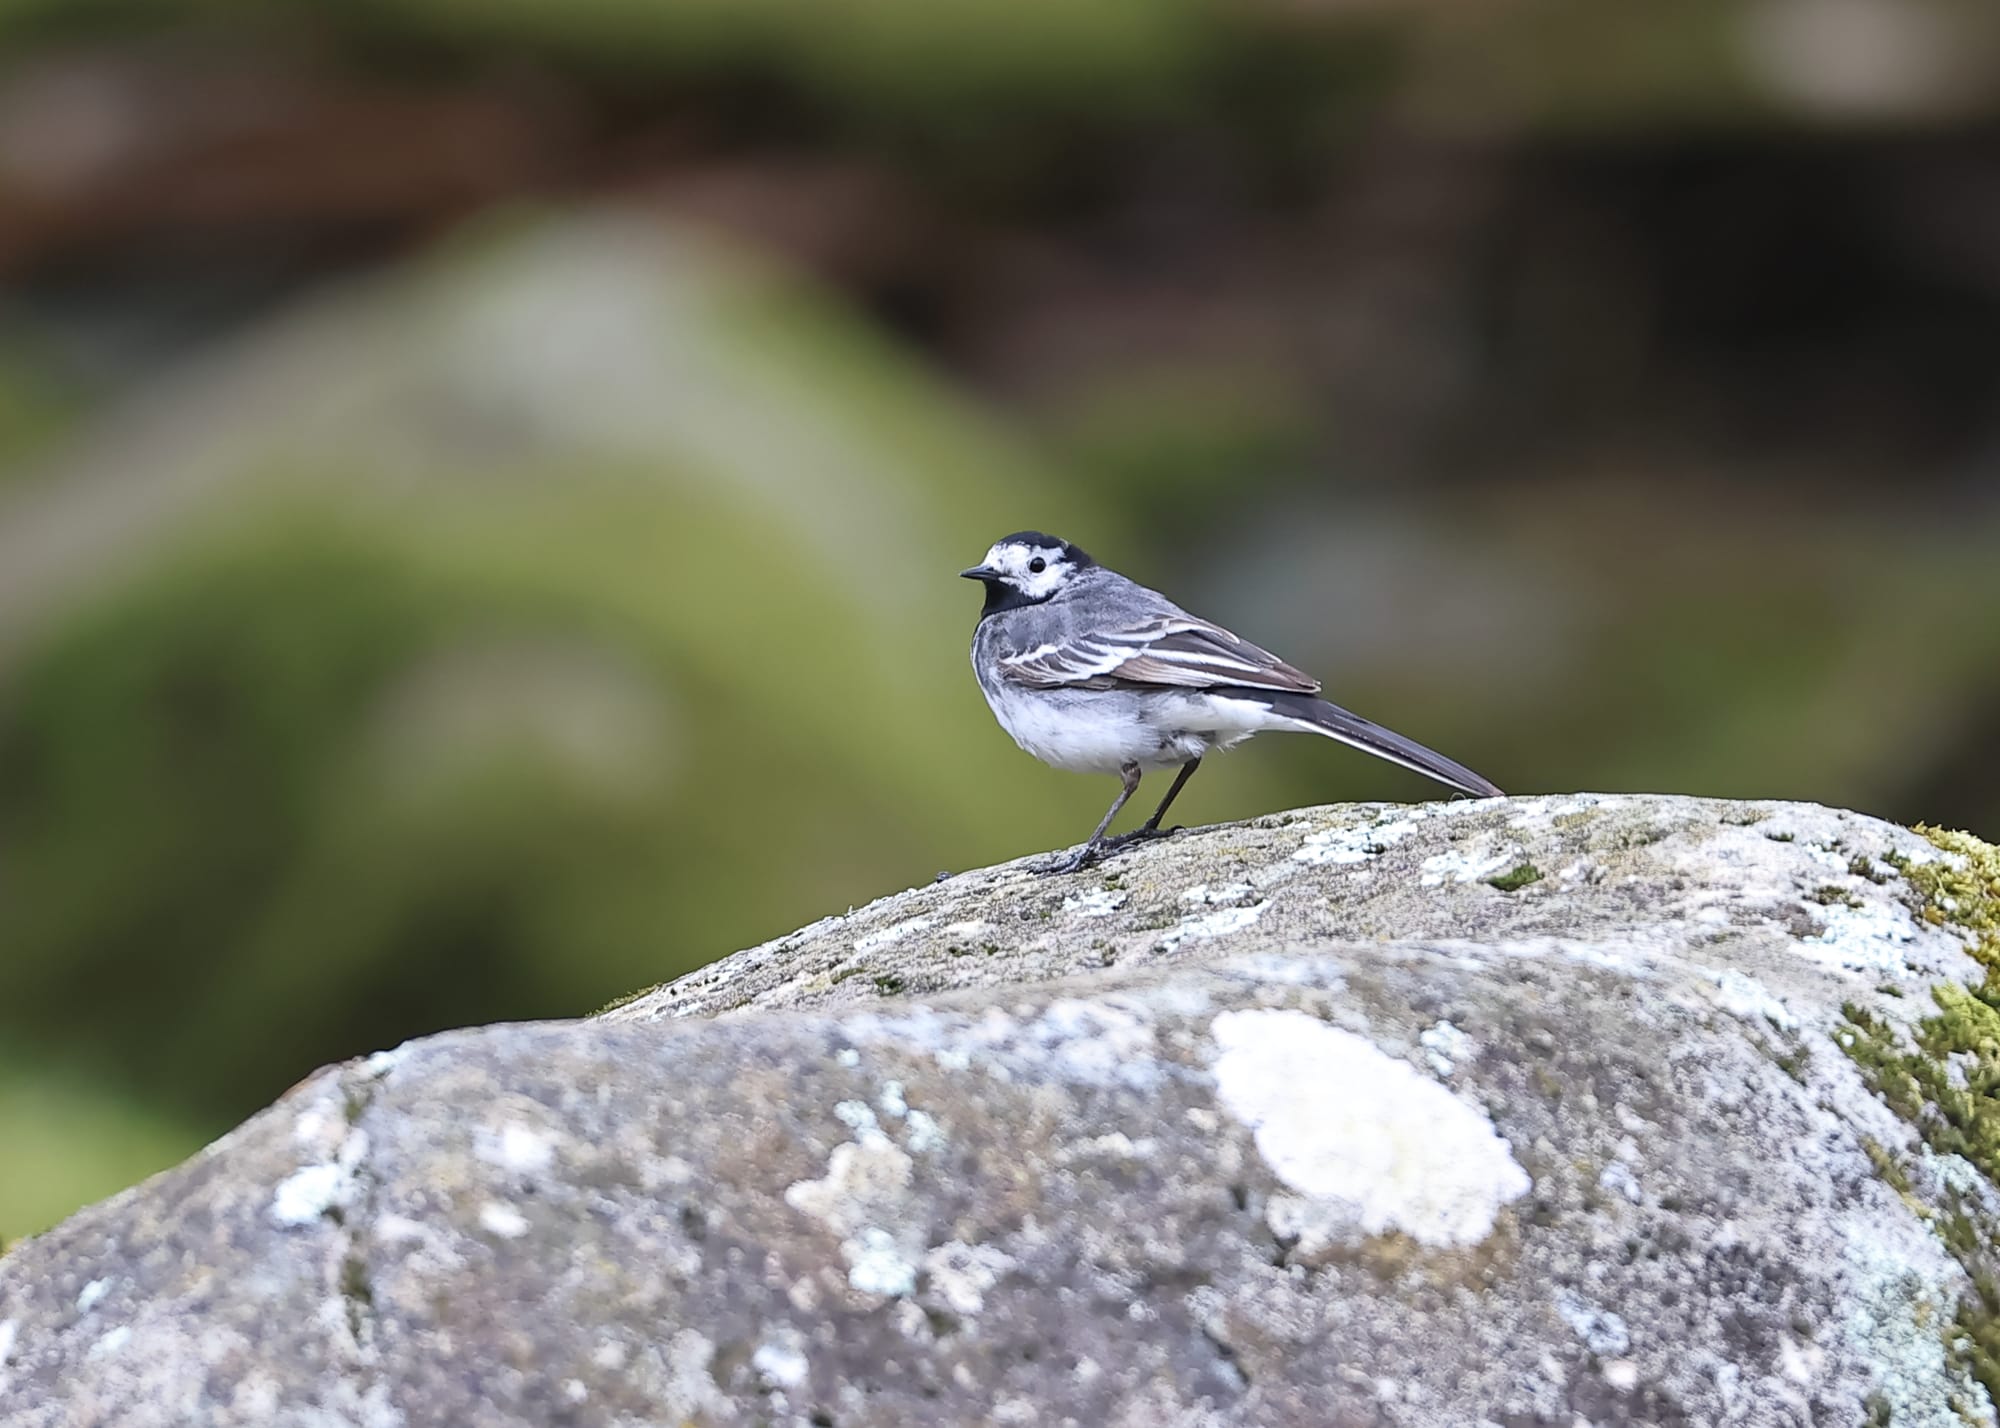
<point>1101,731</point>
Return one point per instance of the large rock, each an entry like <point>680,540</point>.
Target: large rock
<point>1517,1112</point>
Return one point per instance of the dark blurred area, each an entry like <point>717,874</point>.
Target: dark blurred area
<point>480,485</point>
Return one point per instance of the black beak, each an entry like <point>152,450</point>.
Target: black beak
<point>979,572</point>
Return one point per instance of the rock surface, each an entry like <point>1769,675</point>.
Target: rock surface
<point>1513,1113</point>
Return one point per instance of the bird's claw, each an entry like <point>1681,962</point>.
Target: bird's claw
<point>1092,852</point>
<point>1139,835</point>
<point>1074,863</point>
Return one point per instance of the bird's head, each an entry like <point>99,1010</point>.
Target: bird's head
<point>1027,568</point>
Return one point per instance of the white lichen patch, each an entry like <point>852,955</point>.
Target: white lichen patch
<point>1226,895</point>
<point>319,1125</point>
<point>1464,867</point>
<point>1892,1314</point>
<point>859,1117</point>
<point>923,1134</point>
<point>893,933</point>
<point>112,1342</point>
<point>1220,923</point>
<point>877,1264</point>
<point>781,1365</point>
<point>961,1274</point>
<point>1617,1177</point>
<point>1355,845</point>
<point>1286,969</point>
<point>1384,1147</point>
<point>1094,1042</point>
<point>1098,902</point>
<point>1746,997</point>
<point>952,1058</point>
<point>502,1220</point>
<point>1104,1040</point>
<point>1114,1145</point>
<point>1603,1332</point>
<point>1444,1047</point>
<point>1621,1374</point>
<point>515,1147</point>
<point>864,1182</point>
<point>1866,939</point>
<point>91,1294</point>
<point>328,1184</point>
<point>1959,1176</point>
<point>393,1229</point>
<point>1834,859</point>
<point>381,1063</point>
<point>1540,814</point>
<point>865,1189</point>
<point>679,1385</point>
<point>307,1193</point>
<point>1310,1227</point>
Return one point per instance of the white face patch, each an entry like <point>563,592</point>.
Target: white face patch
<point>1016,564</point>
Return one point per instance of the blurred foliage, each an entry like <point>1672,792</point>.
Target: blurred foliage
<point>885,55</point>
<point>985,70</point>
<point>35,408</point>
<point>1169,444</point>
<point>70,1141</point>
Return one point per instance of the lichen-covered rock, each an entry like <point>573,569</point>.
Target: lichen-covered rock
<point>1514,1113</point>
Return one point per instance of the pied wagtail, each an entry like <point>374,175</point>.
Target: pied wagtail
<point>1095,673</point>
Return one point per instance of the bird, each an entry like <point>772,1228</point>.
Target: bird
<point>1092,672</point>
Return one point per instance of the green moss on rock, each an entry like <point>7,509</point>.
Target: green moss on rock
<point>627,999</point>
<point>1516,878</point>
<point>1945,1079</point>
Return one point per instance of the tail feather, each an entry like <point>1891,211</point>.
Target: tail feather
<point>1336,723</point>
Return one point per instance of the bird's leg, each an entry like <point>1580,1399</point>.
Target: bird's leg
<point>1180,781</point>
<point>1087,854</point>
<point>1151,827</point>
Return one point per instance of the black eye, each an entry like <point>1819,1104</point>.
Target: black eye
<point>1037,565</point>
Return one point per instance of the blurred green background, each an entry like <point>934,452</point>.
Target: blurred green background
<point>481,480</point>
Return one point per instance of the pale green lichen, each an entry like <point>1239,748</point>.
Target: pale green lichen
<point>1945,1079</point>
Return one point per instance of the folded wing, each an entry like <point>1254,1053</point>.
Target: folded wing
<point>1168,651</point>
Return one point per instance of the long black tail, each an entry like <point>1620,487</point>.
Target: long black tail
<point>1336,723</point>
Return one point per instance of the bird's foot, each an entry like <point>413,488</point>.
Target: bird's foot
<point>1139,835</point>
<point>1071,862</point>
<point>1094,852</point>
